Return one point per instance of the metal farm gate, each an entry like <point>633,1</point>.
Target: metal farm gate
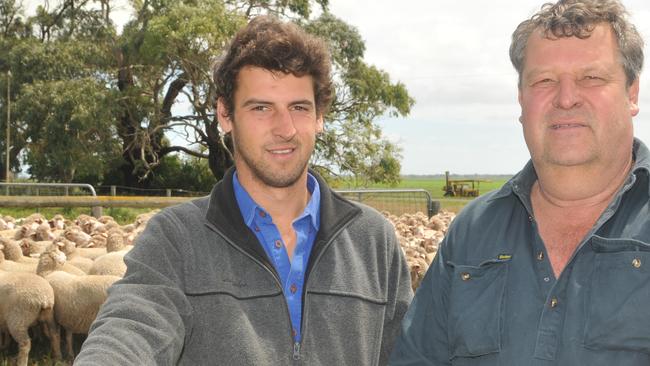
<point>395,201</point>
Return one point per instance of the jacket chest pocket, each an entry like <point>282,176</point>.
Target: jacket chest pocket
<point>476,307</point>
<point>619,296</point>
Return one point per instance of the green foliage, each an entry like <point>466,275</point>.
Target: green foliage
<point>352,143</point>
<point>192,174</point>
<point>71,125</point>
<point>75,75</point>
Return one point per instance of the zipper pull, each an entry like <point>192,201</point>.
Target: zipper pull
<point>296,351</point>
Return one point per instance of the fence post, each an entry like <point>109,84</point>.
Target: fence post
<point>434,207</point>
<point>67,190</point>
<point>113,191</point>
<point>96,211</point>
<point>169,192</point>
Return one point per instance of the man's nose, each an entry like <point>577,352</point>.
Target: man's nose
<point>283,125</point>
<point>568,94</point>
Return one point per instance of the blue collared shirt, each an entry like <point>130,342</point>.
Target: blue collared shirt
<point>292,272</point>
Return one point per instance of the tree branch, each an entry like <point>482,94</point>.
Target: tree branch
<point>169,149</point>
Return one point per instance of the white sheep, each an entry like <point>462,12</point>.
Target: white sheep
<point>11,266</point>
<point>57,222</point>
<point>26,231</point>
<point>77,235</point>
<point>27,299</point>
<point>112,263</point>
<point>77,298</point>
<point>109,264</point>
<point>70,250</point>
<point>4,225</point>
<point>33,248</point>
<point>9,233</point>
<point>44,232</point>
<point>14,252</point>
<point>11,222</point>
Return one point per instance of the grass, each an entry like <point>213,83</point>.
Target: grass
<point>434,187</point>
<point>38,356</point>
<point>122,215</point>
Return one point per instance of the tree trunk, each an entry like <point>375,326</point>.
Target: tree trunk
<point>220,158</point>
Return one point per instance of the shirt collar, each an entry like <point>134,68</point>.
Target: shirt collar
<point>313,206</point>
<point>522,182</point>
<point>641,158</point>
<point>248,206</point>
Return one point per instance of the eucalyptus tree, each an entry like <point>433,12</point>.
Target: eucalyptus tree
<point>155,75</point>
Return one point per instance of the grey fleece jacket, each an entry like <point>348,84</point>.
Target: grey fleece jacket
<point>199,290</point>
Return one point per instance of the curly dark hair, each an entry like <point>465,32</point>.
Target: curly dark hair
<point>578,18</point>
<point>268,43</point>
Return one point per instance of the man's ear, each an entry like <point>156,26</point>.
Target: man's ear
<point>521,105</point>
<point>319,123</point>
<point>633,94</point>
<point>225,120</point>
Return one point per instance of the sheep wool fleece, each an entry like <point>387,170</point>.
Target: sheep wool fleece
<point>199,290</point>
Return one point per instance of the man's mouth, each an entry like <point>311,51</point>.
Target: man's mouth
<point>558,126</point>
<point>282,151</point>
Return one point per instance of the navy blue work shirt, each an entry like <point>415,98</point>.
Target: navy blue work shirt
<point>490,296</point>
<point>291,271</point>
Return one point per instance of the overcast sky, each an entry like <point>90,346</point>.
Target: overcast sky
<point>453,58</point>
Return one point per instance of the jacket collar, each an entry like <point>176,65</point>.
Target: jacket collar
<point>224,214</point>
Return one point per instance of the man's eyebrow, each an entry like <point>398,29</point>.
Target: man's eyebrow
<point>302,101</point>
<point>591,67</point>
<point>255,101</point>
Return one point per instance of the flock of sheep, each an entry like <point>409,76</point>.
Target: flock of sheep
<point>54,273</point>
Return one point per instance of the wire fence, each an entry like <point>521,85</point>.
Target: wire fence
<point>46,189</point>
<point>394,201</point>
<point>148,192</point>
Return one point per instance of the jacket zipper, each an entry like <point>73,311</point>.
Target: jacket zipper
<point>296,351</point>
<point>296,345</point>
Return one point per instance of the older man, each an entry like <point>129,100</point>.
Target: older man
<point>273,268</point>
<point>554,268</point>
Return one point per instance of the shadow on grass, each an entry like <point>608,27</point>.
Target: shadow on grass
<point>40,352</point>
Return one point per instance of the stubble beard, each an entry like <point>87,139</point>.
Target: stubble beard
<point>276,178</point>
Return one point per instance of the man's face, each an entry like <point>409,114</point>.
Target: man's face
<point>274,125</point>
<point>575,107</point>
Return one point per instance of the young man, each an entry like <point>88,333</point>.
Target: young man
<point>553,268</point>
<point>273,268</point>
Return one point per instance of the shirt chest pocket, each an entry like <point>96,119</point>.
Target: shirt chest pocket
<point>619,296</point>
<point>476,308</point>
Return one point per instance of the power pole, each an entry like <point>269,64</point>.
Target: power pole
<point>8,141</point>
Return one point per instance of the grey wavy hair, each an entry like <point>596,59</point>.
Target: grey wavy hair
<point>578,18</point>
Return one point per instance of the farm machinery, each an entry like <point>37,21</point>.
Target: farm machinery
<point>461,187</point>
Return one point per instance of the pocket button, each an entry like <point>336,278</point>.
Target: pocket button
<point>636,263</point>
<point>465,276</point>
